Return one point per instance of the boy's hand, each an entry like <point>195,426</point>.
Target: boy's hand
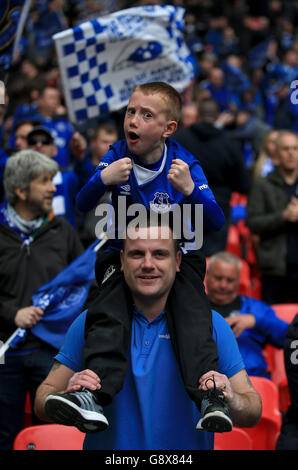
<point>78,145</point>
<point>180,177</point>
<point>117,172</point>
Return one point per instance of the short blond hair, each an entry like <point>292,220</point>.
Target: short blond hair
<point>169,94</point>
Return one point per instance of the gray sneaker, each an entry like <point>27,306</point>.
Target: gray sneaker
<point>78,409</point>
<point>215,412</point>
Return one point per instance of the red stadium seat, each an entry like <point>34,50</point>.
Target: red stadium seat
<point>275,357</point>
<point>49,437</point>
<point>279,377</point>
<point>233,241</point>
<point>286,312</point>
<point>237,439</point>
<point>28,411</point>
<point>264,434</point>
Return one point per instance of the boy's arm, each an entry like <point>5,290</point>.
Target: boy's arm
<point>110,171</point>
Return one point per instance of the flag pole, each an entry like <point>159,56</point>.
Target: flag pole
<point>18,332</point>
<point>103,239</point>
<point>20,28</point>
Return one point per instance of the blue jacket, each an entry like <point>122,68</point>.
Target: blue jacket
<point>269,329</point>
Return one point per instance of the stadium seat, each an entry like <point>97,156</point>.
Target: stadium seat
<point>28,411</point>
<point>49,437</point>
<point>237,439</point>
<point>275,357</point>
<point>233,241</point>
<point>265,432</point>
<point>279,376</point>
<point>245,280</point>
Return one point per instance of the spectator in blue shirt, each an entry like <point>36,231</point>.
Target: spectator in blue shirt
<point>66,181</point>
<point>45,109</point>
<point>254,323</point>
<point>219,91</point>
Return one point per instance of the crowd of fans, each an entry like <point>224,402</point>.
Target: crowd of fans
<point>246,63</point>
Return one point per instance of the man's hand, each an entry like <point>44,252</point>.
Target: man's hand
<point>221,382</point>
<point>28,317</point>
<point>244,402</point>
<point>241,322</point>
<point>117,172</point>
<point>78,145</point>
<point>290,214</point>
<point>85,378</point>
<point>180,177</point>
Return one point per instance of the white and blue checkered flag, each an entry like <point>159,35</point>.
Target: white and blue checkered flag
<point>102,60</point>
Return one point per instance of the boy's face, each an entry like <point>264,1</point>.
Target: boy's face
<point>146,125</point>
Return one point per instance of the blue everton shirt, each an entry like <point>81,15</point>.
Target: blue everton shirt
<point>153,410</point>
<point>148,185</point>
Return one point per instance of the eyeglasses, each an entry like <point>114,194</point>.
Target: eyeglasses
<point>42,139</point>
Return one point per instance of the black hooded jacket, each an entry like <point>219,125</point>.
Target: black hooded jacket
<point>24,268</point>
<point>221,160</point>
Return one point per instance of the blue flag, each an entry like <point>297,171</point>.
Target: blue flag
<point>102,60</point>
<point>257,56</point>
<point>61,300</point>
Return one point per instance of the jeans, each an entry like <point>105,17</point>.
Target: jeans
<point>21,372</point>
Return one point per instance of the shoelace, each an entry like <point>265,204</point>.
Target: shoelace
<point>217,395</point>
<point>213,380</point>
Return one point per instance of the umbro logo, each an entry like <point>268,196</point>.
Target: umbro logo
<point>125,187</point>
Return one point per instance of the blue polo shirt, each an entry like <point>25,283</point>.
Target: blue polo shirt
<point>153,410</point>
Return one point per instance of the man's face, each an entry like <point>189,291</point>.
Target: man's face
<point>287,151</point>
<point>217,78</point>
<point>145,123</point>
<point>39,198</point>
<point>222,282</point>
<point>49,101</point>
<point>150,264</point>
<point>21,136</point>
<point>42,143</point>
<point>102,142</point>
<point>189,115</point>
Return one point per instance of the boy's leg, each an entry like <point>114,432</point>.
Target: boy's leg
<point>107,333</point>
<point>190,327</point>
